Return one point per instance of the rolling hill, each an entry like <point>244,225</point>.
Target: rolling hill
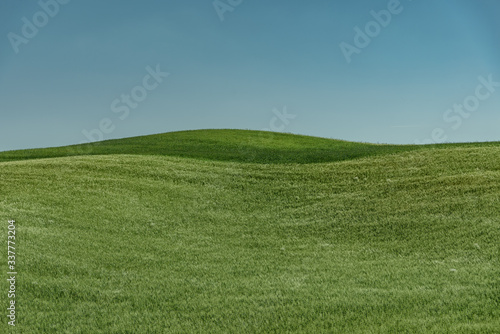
<point>230,231</point>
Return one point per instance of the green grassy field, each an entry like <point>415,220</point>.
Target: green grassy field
<point>226,231</point>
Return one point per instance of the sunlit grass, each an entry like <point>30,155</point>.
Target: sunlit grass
<point>402,241</point>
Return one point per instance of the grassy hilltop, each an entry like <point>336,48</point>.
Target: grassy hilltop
<point>228,231</point>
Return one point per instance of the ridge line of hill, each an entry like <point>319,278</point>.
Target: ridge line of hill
<point>245,146</point>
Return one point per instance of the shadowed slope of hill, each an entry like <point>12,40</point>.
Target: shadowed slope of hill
<point>395,243</point>
<point>222,145</point>
<point>231,145</point>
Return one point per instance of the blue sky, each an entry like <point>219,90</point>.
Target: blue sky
<point>66,84</point>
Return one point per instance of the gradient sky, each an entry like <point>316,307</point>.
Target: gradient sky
<point>264,56</point>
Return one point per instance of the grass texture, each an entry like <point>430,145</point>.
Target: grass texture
<point>228,231</point>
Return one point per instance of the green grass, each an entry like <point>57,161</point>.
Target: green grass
<point>229,231</point>
<point>221,145</point>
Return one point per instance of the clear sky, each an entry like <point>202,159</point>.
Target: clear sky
<point>368,70</point>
